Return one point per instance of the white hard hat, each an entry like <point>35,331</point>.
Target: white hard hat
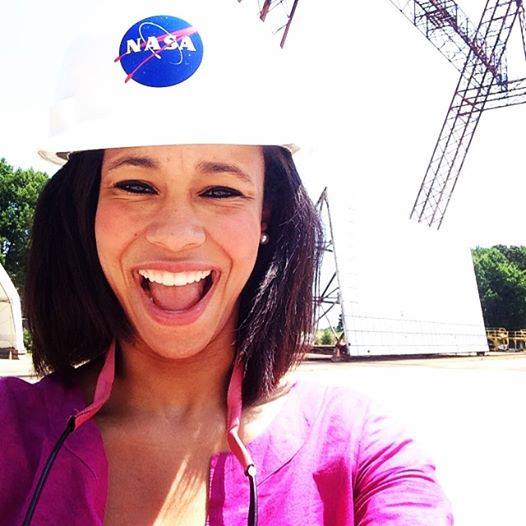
<point>176,72</point>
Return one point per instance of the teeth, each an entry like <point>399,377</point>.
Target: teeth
<point>177,279</point>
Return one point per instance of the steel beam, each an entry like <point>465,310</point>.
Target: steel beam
<point>462,120</point>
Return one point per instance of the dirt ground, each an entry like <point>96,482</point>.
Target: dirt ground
<point>467,412</point>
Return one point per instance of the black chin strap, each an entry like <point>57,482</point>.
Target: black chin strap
<point>253,508</point>
<point>250,473</point>
<point>45,472</point>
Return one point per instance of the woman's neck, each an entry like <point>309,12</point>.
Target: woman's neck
<point>149,387</point>
<point>182,397</point>
<point>178,390</point>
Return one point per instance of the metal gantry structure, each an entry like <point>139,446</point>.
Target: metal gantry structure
<point>477,52</point>
<point>327,288</point>
<point>326,294</point>
<point>479,55</point>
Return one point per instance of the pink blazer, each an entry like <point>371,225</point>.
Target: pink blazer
<point>327,458</point>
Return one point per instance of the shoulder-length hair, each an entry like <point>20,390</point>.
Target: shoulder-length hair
<point>73,314</point>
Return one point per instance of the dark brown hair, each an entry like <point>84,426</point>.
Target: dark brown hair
<point>73,313</point>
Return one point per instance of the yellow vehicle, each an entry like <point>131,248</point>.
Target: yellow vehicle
<point>498,339</point>
<point>517,340</point>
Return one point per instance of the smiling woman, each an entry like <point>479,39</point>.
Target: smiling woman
<point>163,212</point>
<point>169,292</point>
<point>162,252</point>
<point>189,201</point>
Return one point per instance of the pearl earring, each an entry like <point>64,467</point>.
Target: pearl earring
<point>264,238</point>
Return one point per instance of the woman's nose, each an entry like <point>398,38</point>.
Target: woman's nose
<point>176,229</point>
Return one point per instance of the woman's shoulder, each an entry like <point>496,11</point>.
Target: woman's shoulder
<point>339,405</point>
<point>351,414</point>
<point>21,399</point>
<point>33,391</point>
<point>394,478</point>
<point>33,416</point>
<point>27,408</point>
<point>358,425</point>
<point>24,421</point>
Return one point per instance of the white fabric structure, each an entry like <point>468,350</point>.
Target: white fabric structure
<point>404,288</point>
<point>11,331</point>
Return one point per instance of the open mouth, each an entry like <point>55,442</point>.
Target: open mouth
<point>176,292</point>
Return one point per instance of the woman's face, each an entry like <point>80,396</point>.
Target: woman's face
<point>178,230</point>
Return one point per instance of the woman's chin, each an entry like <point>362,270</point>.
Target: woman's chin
<point>180,342</point>
<point>180,335</point>
<point>174,349</point>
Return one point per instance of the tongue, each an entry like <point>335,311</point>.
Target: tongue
<point>176,298</point>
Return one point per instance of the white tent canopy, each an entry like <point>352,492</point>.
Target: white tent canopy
<point>11,332</point>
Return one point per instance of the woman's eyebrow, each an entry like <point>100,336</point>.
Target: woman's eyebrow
<point>212,167</point>
<point>141,162</point>
<point>204,167</point>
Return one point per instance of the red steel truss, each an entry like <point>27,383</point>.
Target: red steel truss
<point>450,30</point>
<point>279,14</point>
<point>477,52</point>
<point>483,84</point>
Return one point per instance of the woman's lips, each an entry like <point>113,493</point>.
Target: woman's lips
<point>177,298</point>
<point>182,316</point>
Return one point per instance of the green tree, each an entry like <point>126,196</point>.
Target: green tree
<point>502,286</point>
<point>516,255</point>
<point>327,338</point>
<point>19,191</point>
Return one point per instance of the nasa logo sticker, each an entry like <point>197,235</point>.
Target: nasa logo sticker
<point>160,51</point>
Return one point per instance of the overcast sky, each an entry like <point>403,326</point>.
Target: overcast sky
<point>377,91</point>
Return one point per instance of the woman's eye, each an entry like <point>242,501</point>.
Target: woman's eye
<point>135,187</point>
<point>220,192</point>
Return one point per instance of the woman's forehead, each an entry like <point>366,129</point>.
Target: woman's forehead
<point>245,162</point>
<point>187,153</point>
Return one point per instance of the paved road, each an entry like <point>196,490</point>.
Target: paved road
<point>469,413</point>
<point>21,367</point>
